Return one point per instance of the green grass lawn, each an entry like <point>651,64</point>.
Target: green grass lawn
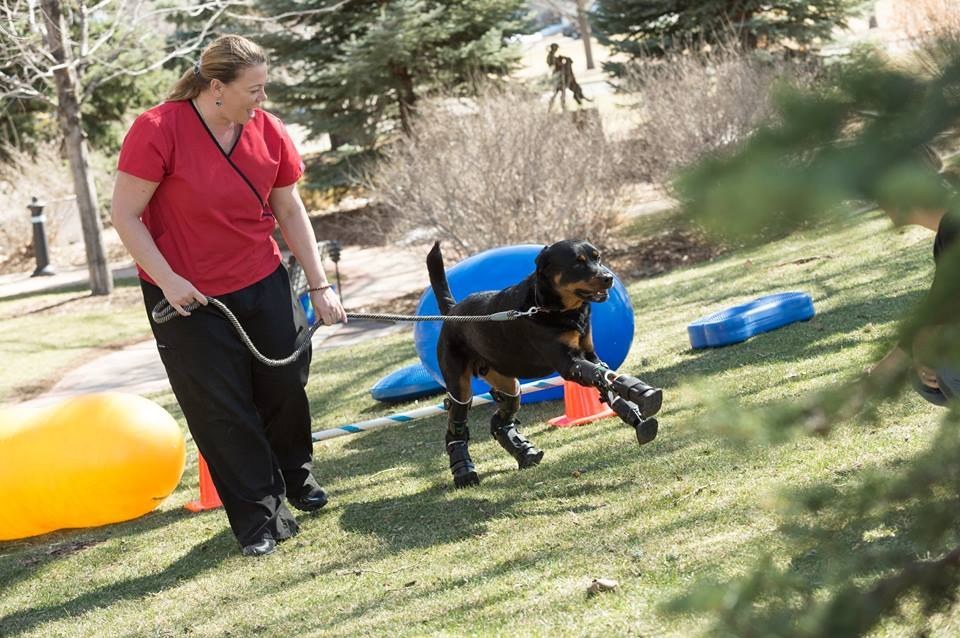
<point>398,552</point>
<point>44,335</point>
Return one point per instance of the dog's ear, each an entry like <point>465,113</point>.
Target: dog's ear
<point>541,260</point>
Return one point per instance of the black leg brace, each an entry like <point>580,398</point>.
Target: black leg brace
<point>461,465</point>
<point>631,399</point>
<point>503,427</point>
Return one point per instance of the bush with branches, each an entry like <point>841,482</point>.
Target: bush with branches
<point>500,170</point>
<point>42,174</point>
<point>694,103</point>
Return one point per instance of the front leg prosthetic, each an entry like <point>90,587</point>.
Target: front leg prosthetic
<point>631,399</point>
<point>503,427</point>
<point>458,434</point>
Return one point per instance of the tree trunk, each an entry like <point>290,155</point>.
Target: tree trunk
<point>68,114</point>
<point>585,32</point>
<point>406,97</point>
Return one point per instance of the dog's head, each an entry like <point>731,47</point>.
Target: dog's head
<point>570,272</point>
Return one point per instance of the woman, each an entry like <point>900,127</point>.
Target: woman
<point>202,179</point>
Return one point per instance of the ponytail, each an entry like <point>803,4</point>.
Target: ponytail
<point>189,86</point>
<point>223,59</point>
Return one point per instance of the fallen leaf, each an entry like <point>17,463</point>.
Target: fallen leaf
<point>602,585</point>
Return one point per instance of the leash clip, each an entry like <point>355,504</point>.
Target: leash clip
<point>509,315</point>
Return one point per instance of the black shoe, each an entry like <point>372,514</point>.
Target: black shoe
<point>260,548</point>
<point>310,500</point>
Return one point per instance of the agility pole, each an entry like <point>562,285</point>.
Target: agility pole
<point>420,413</point>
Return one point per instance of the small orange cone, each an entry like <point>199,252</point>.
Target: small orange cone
<point>209,499</point>
<point>581,405</point>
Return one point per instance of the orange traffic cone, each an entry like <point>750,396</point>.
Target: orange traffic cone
<point>209,499</point>
<point>581,405</point>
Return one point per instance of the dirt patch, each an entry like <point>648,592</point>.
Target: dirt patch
<point>661,252</point>
<point>58,551</point>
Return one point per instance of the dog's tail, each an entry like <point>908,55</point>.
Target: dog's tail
<point>438,280</point>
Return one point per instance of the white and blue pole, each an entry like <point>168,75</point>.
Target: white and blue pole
<point>420,413</point>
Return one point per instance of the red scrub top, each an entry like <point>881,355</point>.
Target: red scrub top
<point>209,215</point>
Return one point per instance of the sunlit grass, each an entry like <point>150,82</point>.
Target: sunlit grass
<point>44,335</point>
<point>398,552</point>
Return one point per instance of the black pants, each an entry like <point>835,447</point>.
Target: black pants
<point>251,422</point>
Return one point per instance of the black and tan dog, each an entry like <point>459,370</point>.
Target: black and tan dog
<point>556,339</point>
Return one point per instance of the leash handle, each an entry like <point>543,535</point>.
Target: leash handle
<point>164,312</point>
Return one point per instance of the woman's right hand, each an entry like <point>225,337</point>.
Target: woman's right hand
<point>180,293</point>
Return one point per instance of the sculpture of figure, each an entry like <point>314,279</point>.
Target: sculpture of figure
<point>562,68</point>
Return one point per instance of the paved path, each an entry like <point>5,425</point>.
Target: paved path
<point>369,275</point>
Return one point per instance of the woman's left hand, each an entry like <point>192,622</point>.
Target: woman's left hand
<point>326,305</point>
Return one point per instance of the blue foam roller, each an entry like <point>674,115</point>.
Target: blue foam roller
<point>739,323</point>
<point>411,382</point>
<point>611,321</point>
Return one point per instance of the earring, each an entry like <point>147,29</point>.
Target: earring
<point>219,102</point>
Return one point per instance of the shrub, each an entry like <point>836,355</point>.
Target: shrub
<point>500,170</point>
<point>43,175</point>
<point>697,103</point>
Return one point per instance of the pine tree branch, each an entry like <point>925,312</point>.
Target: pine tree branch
<point>283,16</point>
<point>854,614</point>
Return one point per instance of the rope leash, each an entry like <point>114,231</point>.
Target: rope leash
<point>164,312</point>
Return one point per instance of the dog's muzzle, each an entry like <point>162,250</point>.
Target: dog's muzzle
<point>605,281</point>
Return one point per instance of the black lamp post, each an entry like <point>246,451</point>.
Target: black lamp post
<point>39,239</point>
<point>333,249</point>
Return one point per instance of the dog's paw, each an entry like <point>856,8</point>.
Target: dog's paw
<point>467,479</point>
<point>647,431</point>
<point>531,459</point>
<point>650,403</point>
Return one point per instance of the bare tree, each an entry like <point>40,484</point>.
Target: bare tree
<point>61,51</point>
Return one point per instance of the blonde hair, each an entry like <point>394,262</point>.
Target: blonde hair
<point>223,60</point>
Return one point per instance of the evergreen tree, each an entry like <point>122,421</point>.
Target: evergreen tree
<point>853,554</point>
<point>641,27</point>
<point>354,70</point>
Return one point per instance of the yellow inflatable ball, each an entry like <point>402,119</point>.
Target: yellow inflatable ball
<point>85,461</point>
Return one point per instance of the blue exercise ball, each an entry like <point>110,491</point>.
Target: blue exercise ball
<point>611,320</point>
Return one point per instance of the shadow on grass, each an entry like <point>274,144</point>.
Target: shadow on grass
<point>20,558</point>
<point>201,558</point>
